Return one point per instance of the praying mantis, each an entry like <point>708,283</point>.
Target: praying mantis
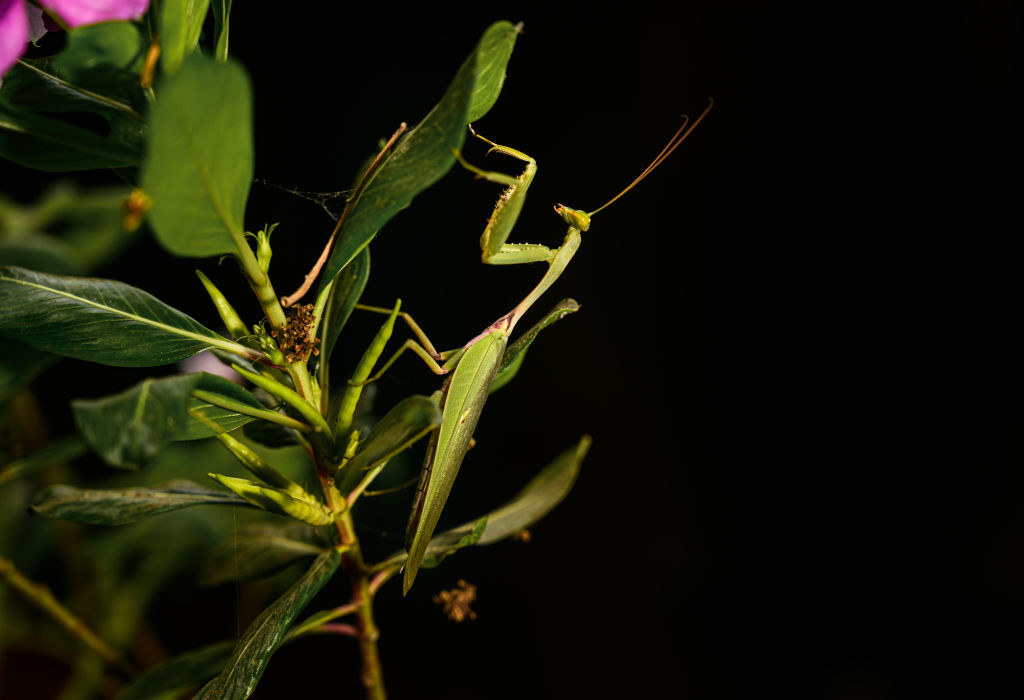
<point>472,368</point>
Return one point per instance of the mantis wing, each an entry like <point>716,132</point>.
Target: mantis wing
<point>467,391</point>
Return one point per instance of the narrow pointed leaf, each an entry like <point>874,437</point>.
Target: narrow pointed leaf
<point>180,673</point>
<point>407,422</point>
<point>222,27</point>
<point>259,551</point>
<point>200,162</point>
<point>516,352</point>
<point>57,452</point>
<point>277,500</point>
<point>122,506</point>
<point>424,154</point>
<point>130,428</point>
<point>100,321</point>
<point>545,491</point>
<point>253,651</point>
<point>348,288</point>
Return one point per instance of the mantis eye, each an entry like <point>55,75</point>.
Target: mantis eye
<point>574,217</point>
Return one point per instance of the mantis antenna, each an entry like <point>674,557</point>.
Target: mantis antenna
<point>672,145</point>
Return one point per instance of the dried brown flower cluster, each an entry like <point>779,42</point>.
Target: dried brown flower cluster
<point>456,602</point>
<point>293,340</point>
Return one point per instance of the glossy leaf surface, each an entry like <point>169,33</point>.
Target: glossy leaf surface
<point>122,506</point>
<point>200,162</point>
<point>253,651</point>
<point>424,154</point>
<point>100,321</point>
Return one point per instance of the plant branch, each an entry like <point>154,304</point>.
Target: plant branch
<point>41,596</point>
<point>322,260</point>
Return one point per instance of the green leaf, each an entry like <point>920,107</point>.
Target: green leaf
<point>37,251</point>
<point>493,54</point>
<point>348,288</point>
<point>53,145</point>
<point>221,27</point>
<point>100,321</point>
<point>407,422</point>
<point>19,365</point>
<point>122,506</point>
<point>279,501</point>
<point>179,673</point>
<point>105,56</point>
<point>42,86</point>
<point>424,154</point>
<point>181,22</point>
<point>259,551</point>
<point>538,497</point>
<point>545,491</point>
<point>200,162</point>
<point>130,428</point>
<point>270,434</point>
<point>264,636</point>
<point>59,451</point>
<point>515,353</point>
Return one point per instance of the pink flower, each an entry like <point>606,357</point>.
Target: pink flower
<point>21,22</point>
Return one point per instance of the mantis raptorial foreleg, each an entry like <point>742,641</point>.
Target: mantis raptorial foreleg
<point>493,241</point>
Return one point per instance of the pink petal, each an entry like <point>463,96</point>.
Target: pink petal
<point>13,32</point>
<point>75,13</point>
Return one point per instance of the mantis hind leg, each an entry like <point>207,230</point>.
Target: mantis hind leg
<point>495,250</point>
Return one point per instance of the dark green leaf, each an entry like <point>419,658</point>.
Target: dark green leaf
<point>180,673</point>
<point>199,167</point>
<point>537,499</point>
<point>57,452</point>
<point>407,422</point>
<point>50,144</point>
<point>43,86</point>
<point>41,253</point>
<point>512,360</point>
<point>270,434</point>
<point>19,365</point>
<point>130,428</point>
<point>252,653</point>
<point>122,506</point>
<point>259,551</point>
<point>348,287</point>
<point>100,321</point>
<point>221,27</point>
<point>424,154</point>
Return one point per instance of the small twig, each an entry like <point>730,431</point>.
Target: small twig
<point>41,596</point>
<point>336,628</point>
<point>381,577</point>
<point>322,260</point>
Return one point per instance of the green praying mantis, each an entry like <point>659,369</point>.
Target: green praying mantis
<point>472,369</point>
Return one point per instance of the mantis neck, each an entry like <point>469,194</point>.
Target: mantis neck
<point>556,266</point>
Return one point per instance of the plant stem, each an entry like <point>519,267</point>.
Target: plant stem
<point>362,596</point>
<point>41,596</point>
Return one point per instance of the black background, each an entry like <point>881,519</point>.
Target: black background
<point>798,351</point>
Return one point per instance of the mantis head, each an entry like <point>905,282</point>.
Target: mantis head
<point>574,217</point>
